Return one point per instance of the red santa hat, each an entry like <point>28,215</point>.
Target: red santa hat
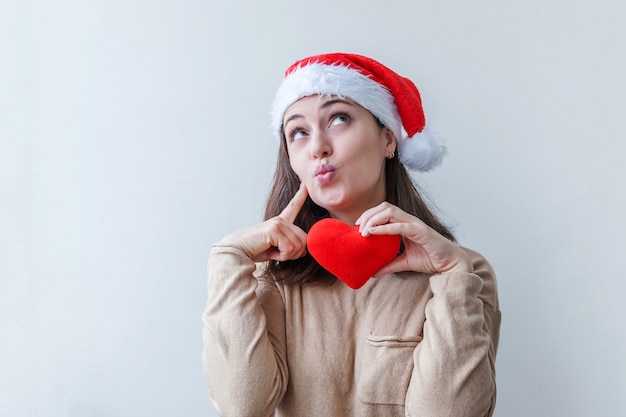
<point>393,99</point>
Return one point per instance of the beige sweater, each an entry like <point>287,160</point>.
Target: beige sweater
<point>403,344</point>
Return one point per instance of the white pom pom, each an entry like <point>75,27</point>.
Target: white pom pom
<point>423,152</point>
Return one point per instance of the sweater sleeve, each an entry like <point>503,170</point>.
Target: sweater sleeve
<point>454,365</point>
<point>244,341</point>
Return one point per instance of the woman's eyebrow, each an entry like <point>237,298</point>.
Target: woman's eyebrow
<point>291,118</point>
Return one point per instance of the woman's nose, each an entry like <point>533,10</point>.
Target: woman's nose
<point>321,146</point>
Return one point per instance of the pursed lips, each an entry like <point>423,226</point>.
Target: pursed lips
<point>324,173</point>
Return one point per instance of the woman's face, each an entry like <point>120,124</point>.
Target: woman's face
<point>338,150</point>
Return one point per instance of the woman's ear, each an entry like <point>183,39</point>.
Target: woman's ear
<point>390,141</point>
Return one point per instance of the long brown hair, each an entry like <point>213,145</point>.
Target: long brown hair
<point>401,191</point>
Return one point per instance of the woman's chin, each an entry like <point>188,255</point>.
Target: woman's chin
<point>328,200</point>
<point>334,206</point>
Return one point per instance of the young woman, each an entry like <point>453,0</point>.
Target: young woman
<point>282,336</point>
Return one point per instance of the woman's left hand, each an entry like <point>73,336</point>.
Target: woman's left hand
<point>425,250</point>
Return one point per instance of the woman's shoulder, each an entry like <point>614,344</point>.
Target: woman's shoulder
<point>479,261</point>
<point>484,269</point>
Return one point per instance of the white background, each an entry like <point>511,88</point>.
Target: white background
<point>135,133</point>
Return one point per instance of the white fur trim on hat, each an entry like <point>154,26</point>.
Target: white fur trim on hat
<point>339,81</point>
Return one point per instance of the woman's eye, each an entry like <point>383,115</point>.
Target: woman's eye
<point>339,119</point>
<point>296,134</point>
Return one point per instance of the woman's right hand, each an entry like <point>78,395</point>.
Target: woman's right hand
<point>275,239</point>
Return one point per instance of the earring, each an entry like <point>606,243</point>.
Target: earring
<point>391,155</point>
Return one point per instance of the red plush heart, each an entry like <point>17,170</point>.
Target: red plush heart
<point>346,254</point>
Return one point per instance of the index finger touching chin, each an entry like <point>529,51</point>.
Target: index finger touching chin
<point>295,205</point>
